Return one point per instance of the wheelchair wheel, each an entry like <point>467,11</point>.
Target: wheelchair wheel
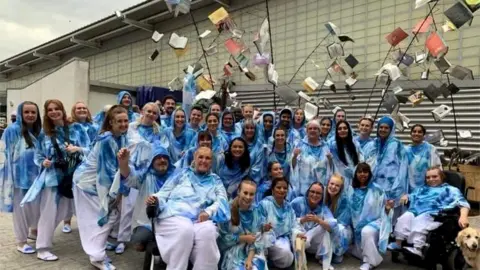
<point>455,260</point>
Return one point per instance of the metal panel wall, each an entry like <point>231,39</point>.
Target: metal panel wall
<point>467,108</point>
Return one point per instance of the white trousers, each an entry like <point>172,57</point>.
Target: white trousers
<point>180,240</point>
<point>70,210</point>
<point>93,237</point>
<point>281,254</point>
<point>25,217</point>
<point>53,209</point>
<point>414,229</point>
<point>314,241</point>
<point>367,251</point>
<point>126,216</point>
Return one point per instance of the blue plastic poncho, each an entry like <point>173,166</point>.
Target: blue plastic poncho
<point>18,169</point>
<point>283,157</point>
<point>177,144</point>
<point>91,129</point>
<point>347,171</point>
<point>257,155</point>
<point>420,158</point>
<point>327,137</point>
<point>231,177</point>
<point>228,135</point>
<point>361,142</point>
<point>188,193</point>
<point>431,200</point>
<point>266,134</point>
<point>389,162</point>
<point>302,131</point>
<point>293,137</point>
<point>132,116</point>
<point>342,233</point>
<point>151,133</point>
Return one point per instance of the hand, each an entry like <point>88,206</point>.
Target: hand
<point>267,227</point>
<point>72,148</point>
<point>151,200</point>
<point>329,156</point>
<point>296,152</point>
<point>301,236</point>
<point>404,199</point>
<point>123,156</point>
<point>47,163</point>
<point>463,222</point>
<point>248,238</point>
<point>203,217</point>
<point>248,264</point>
<point>389,205</point>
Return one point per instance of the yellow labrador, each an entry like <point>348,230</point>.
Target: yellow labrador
<point>468,240</point>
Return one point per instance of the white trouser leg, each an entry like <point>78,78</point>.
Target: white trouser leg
<point>314,239</point>
<point>369,246</point>
<point>93,237</point>
<point>404,223</point>
<point>205,254</point>
<point>126,216</point>
<point>397,212</point>
<point>51,203</point>
<point>70,210</point>
<point>281,253</point>
<point>421,225</point>
<point>24,217</point>
<point>174,236</point>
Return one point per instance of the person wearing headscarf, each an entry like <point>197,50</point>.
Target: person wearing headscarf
<point>57,154</point>
<point>146,125</point>
<point>227,126</point>
<point>299,122</point>
<point>365,126</point>
<point>147,181</point>
<point>371,216</point>
<point>97,195</point>
<point>279,224</point>
<point>18,171</point>
<point>345,152</point>
<point>267,123</point>
<point>309,161</point>
<point>178,136</point>
<point>188,204</point>
<point>387,157</point>
<point>251,134</point>
<point>337,200</point>
<point>169,104</point>
<point>325,127</point>
<point>317,221</point>
<point>425,201</point>
<point>421,156</point>
<point>280,151</point>
<point>219,143</point>
<point>240,240</point>
<point>234,165</point>
<point>124,98</point>
<point>286,122</point>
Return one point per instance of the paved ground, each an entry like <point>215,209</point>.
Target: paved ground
<point>68,248</point>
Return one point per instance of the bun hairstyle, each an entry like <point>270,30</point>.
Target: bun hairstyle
<point>110,115</point>
<point>235,206</point>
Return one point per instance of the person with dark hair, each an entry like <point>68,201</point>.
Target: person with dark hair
<point>215,108</point>
<point>169,104</point>
<point>286,122</point>
<point>227,126</point>
<point>100,200</point>
<point>365,127</point>
<point>13,117</point>
<point>203,139</point>
<point>124,98</point>
<point>325,128</point>
<point>18,171</point>
<point>421,156</point>
<point>340,115</point>
<point>238,241</point>
<point>251,134</point>
<point>219,144</point>
<point>317,221</point>
<point>345,152</point>
<point>267,123</point>
<point>371,218</point>
<point>195,119</point>
<point>234,165</point>
<point>279,218</point>
<point>178,135</point>
<point>425,202</point>
<point>281,151</point>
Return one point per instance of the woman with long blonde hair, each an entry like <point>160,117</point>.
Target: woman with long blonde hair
<point>147,125</point>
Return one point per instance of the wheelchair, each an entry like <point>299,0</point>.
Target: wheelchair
<point>440,247</point>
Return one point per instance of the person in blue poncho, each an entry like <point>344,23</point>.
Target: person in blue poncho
<point>365,127</point>
<point>345,152</point>
<point>100,116</point>
<point>227,126</point>
<point>325,128</point>
<point>98,191</point>
<point>274,170</point>
<point>234,165</point>
<point>195,119</point>
<point>421,156</point>
<point>215,108</point>
<point>280,151</point>
<point>280,224</point>
<point>146,125</point>
<point>178,136</point>
<point>371,218</point>
<point>247,113</point>
<point>251,134</point>
<point>299,122</point>
<point>169,104</point>
<point>18,171</point>
<point>336,198</point>
<point>426,200</point>
<point>203,139</point>
<point>240,240</point>
<point>309,161</point>
<point>317,221</point>
<point>387,157</point>
<point>219,143</point>
<point>267,122</point>
<point>124,98</point>
<point>188,205</point>
<point>147,181</point>
<point>57,155</point>
<point>286,122</point>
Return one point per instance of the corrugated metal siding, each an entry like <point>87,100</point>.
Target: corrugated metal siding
<point>467,108</point>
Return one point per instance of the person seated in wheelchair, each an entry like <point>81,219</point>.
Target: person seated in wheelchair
<point>188,204</point>
<point>147,182</point>
<point>414,225</point>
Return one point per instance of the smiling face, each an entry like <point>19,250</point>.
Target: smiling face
<point>29,113</point>
<point>313,131</point>
<point>249,131</point>
<point>299,116</point>
<point>227,121</point>
<point>212,123</point>
<point>81,112</point>
<point>417,135</point>
<point>246,195</point>
<point>54,112</point>
<point>119,123</point>
<point>203,160</point>
<point>362,176</point>
<point>342,130</point>
<point>285,120</point>
<point>247,112</point>
<point>205,142</point>
<point>365,127</point>
<point>237,149</point>
<point>169,106</point>
<point>160,164</point>
<point>325,127</point>
<point>215,108</point>
<point>279,191</point>
<point>276,170</point>
<point>384,131</point>
<point>150,114</point>
<point>315,194</point>
<point>126,100</point>
<point>195,117</point>
<point>279,137</point>
<point>268,122</point>
<point>434,178</point>
<point>179,119</point>
<point>339,116</point>
<point>335,186</point>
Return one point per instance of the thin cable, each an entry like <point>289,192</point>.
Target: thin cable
<point>271,53</point>
<point>203,49</point>
<point>454,114</point>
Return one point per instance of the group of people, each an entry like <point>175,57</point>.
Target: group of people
<point>227,193</point>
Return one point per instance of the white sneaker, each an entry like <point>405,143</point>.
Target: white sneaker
<point>67,228</point>
<point>26,249</point>
<point>46,256</point>
<point>120,249</point>
<point>105,265</point>
<point>365,266</point>
<point>415,251</point>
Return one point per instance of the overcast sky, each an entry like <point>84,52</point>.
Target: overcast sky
<point>25,24</point>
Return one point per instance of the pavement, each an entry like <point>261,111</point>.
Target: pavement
<point>71,256</point>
